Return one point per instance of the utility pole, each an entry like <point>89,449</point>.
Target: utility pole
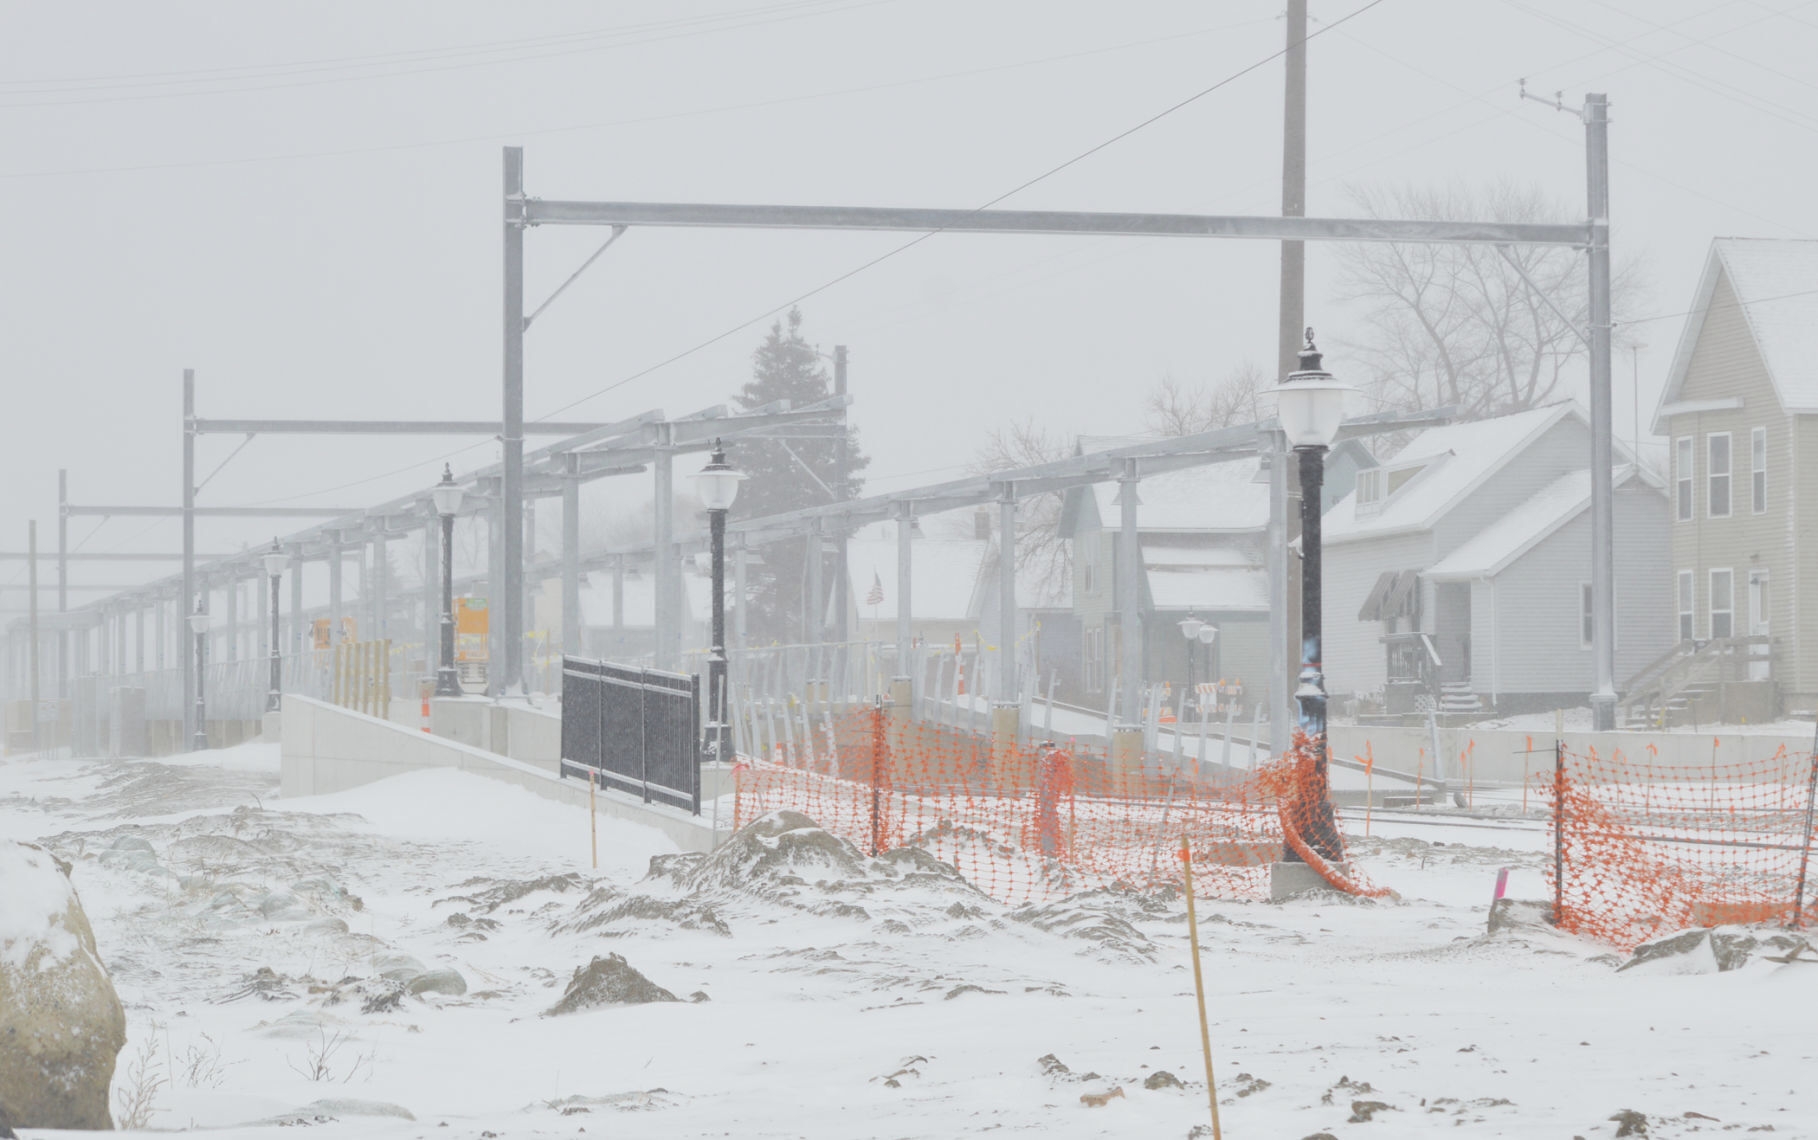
<point>510,590</point>
<point>1603,501</point>
<point>1284,475</point>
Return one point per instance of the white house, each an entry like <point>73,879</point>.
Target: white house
<point>1459,570</point>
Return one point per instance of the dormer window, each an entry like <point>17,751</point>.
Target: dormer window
<point>1369,489</point>
<point>1379,484</point>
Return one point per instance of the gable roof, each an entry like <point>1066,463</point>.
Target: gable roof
<point>1775,281</point>
<point>1458,459</point>
<point>1499,545</point>
<point>1219,497</point>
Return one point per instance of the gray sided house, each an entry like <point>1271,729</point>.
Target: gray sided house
<point>1201,533</point>
<point>1458,573</point>
<point>1740,410</point>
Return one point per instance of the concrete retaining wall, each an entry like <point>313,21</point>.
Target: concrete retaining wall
<point>519,731</point>
<point>329,749</point>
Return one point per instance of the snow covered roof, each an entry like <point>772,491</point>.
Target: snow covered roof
<point>1453,461</point>
<point>1775,281</point>
<point>1218,497</point>
<point>1209,589</point>
<point>1497,546</point>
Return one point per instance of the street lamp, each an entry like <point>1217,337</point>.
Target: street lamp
<point>1189,629</point>
<point>198,624</point>
<point>1310,405</point>
<point>717,485</point>
<point>275,560</point>
<point>447,498</point>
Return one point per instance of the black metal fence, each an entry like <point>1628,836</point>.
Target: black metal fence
<point>634,729</point>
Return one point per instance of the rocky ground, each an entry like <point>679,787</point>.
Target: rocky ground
<point>434,955</point>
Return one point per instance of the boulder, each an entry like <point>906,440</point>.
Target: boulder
<point>61,1024</point>
<point>1514,914</point>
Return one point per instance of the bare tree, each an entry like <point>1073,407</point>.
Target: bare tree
<point>1176,409</point>
<point>1040,549</point>
<point>1457,324</point>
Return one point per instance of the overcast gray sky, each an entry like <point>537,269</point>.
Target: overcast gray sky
<point>301,201</point>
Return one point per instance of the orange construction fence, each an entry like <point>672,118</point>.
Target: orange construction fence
<point>1643,849</point>
<point>1024,823</point>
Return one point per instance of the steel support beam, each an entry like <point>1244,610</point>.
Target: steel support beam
<point>192,511</point>
<point>905,565</point>
<point>188,601</point>
<point>539,211</point>
<point>571,558</point>
<point>666,572</point>
<point>1603,498</point>
<point>1129,597</point>
<point>108,556</point>
<point>385,427</point>
<point>1006,592</point>
<point>296,602</point>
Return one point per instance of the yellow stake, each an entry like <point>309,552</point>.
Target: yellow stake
<point>1199,986</point>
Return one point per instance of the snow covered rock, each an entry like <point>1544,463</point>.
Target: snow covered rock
<point>1720,949</point>
<point>608,981</point>
<point>1514,914</point>
<point>61,1024</point>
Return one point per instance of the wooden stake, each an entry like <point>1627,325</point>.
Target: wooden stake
<point>1199,986</point>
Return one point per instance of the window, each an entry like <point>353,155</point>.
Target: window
<point>1093,660</point>
<point>1088,564</point>
<point>1717,468</point>
<point>1587,629</point>
<point>1758,464</point>
<point>1682,473</point>
<point>1369,487</point>
<point>1723,604</point>
<point>1685,605</point>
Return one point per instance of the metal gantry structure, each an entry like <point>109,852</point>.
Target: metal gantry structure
<point>506,492</point>
<point>1591,235</point>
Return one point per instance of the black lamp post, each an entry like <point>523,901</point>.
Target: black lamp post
<point>198,624</point>
<point>1310,405</point>
<point>447,498</point>
<point>274,560</point>
<point>717,484</point>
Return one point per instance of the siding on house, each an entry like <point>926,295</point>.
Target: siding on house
<point>1355,660</point>
<point>1725,363</point>
<point>1526,632</point>
<point>1802,609</point>
<point>1562,447</point>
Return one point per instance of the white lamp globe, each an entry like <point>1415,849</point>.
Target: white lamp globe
<point>1310,403</point>
<point>447,494</point>
<point>1208,633</point>
<point>198,621</point>
<point>275,560</point>
<point>1190,627</point>
<point>717,484</point>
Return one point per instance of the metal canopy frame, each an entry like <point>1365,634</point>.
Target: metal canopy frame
<point>1591,235</point>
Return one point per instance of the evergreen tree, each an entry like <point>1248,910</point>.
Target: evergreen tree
<point>790,472</point>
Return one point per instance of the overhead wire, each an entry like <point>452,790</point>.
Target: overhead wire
<point>920,238</point>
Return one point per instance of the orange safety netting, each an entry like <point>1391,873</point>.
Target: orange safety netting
<point>1644,848</point>
<point>1026,823</point>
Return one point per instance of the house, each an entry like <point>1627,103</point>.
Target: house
<point>1459,571</point>
<point>1202,534</point>
<point>1740,410</point>
<point>954,588</point>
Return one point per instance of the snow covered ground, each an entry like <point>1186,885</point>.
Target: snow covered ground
<point>266,950</point>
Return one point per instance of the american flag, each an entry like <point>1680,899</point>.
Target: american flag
<point>876,596</point>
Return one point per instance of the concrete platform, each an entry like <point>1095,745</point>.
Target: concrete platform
<point>1289,879</point>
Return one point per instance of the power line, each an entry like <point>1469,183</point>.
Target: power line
<point>1729,307</point>
<point>920,238</point>
<point>431,64</point>
<point>639,120</point>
